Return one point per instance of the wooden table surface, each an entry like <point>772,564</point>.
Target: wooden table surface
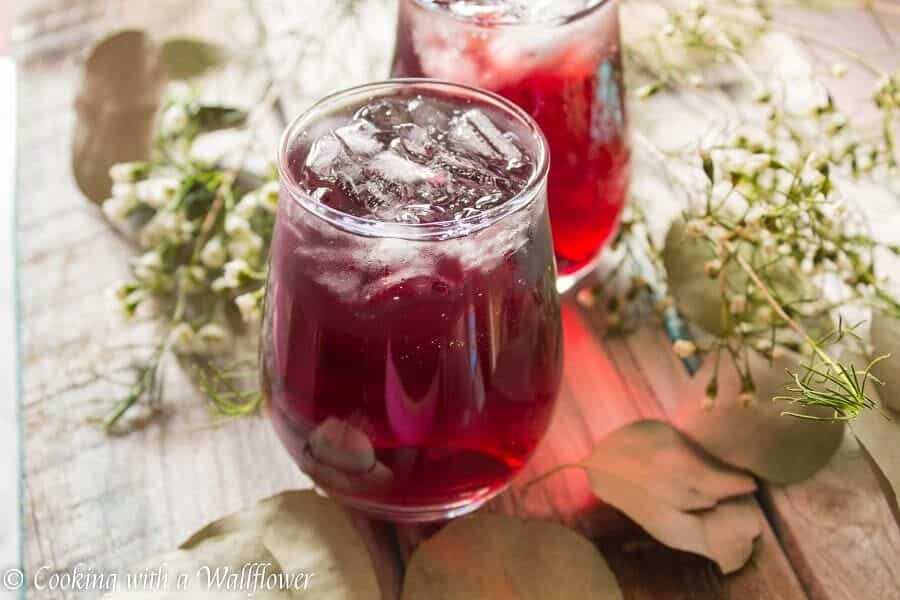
<point>109,502</point>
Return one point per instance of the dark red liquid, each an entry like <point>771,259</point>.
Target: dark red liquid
<point>576,98</point>
<point>404,374</point>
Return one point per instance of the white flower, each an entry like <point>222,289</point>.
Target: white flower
<point>231,277</point>
<point>268,196</point>
<point>211,339</point>
<point>738,304</point>
<point>586,297</point>
<point>838,70</point>
<point>755,163</point>
<point>183,339</point>
<point>712,268</point>
<point>163,226</point>
<point>246,247</point>
<point>695,228</point>
<point>126,191</point>
<point>684,348</point>
<point>246,208</point>
<point>124,172</point>
<point>754,215</point>
<point>236,226</point>
<point>249,305</point>
<point>117,209</point>
<point>175,120</point>
<point>157,193</point>
<point>179,91</point>
<point>213,254</point>
<point>668,30</point>
<point>695,79</point>
<point>148,266</point>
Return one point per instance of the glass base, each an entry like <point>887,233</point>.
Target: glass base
<point>572,282</point>
<point>418,514</point>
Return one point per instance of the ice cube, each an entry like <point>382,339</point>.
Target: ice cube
<point>474,131</point>
<point>395,168</point>
<point>359,137</point>
<point>384,114</point>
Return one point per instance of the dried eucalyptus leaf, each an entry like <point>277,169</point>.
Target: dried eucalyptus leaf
<point>186,58</point>
<point>697,296</point>
<point>886,340</point>
<point>879,434</point>
<point>498,557</point>
<point>757,437</point>
<point>115,108</point>
<point>685,500</point>
<point>203,571</point>
<point>305,533</point>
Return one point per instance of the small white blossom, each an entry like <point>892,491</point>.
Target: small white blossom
<point>148,266</point>
<point>236,225</point>
<point>233,273</point>
<point>738,304</point>
<point>764,315</point>
<point>180,91</point>
<point>695,228</point>
<point>213,254</point>
<point>668,30</point>
<point>268,196</point>
<point>124,172</point>
<point>247,206</point>
<point>249,306</point>
<point>211,339</point>
<point>175,120</point>
<point>763,345</point>
<point>839,70</point>
<point>125,191</point>
<point>684,348</point>
<point>695,79</point>
<point>117,209</point>
<point>712,268</point>
<point>246,247</point>
<point>183,339</point>
<point>157,192</point>
<point>163,226</point>
<point>586,297</point>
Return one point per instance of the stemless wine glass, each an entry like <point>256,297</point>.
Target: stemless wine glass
<point>411,350</point>
<point>560,60</point>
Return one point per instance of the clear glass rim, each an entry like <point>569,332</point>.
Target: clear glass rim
<point>561,20</point>
<point>413,231</point>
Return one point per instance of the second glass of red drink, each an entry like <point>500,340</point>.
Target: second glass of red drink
<point>412,349</point>
<point>560,60</point>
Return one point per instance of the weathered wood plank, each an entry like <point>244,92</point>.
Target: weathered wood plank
<point>839,530</point>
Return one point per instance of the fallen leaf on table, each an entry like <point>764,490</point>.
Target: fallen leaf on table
<point>885,337</point>
<point>116,107</point>
<point>185,58</point>
<point>298,533</point>
<point>685,500</point>
<point>879,432</point>
<point>498,557</point>
<point>757,437</point>
<point>699,298</point>
<point>879,435</point>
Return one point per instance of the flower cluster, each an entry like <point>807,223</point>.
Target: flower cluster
<point>768,256</point>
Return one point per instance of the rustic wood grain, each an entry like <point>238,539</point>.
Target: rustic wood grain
<point>110,502</point>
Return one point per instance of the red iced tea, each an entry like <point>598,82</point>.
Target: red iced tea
<point>560,61</point>
<point>412,345</point>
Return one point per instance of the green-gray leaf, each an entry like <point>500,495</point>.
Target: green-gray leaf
<point>697,296</point>
<point>185,58</point>
<point>886,340</point>
<point>758,438</point>
<point>115,109</point>
<point>497,556</point>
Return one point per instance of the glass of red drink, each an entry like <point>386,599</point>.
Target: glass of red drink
<point>560,60</point>
<point>411,349</point>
